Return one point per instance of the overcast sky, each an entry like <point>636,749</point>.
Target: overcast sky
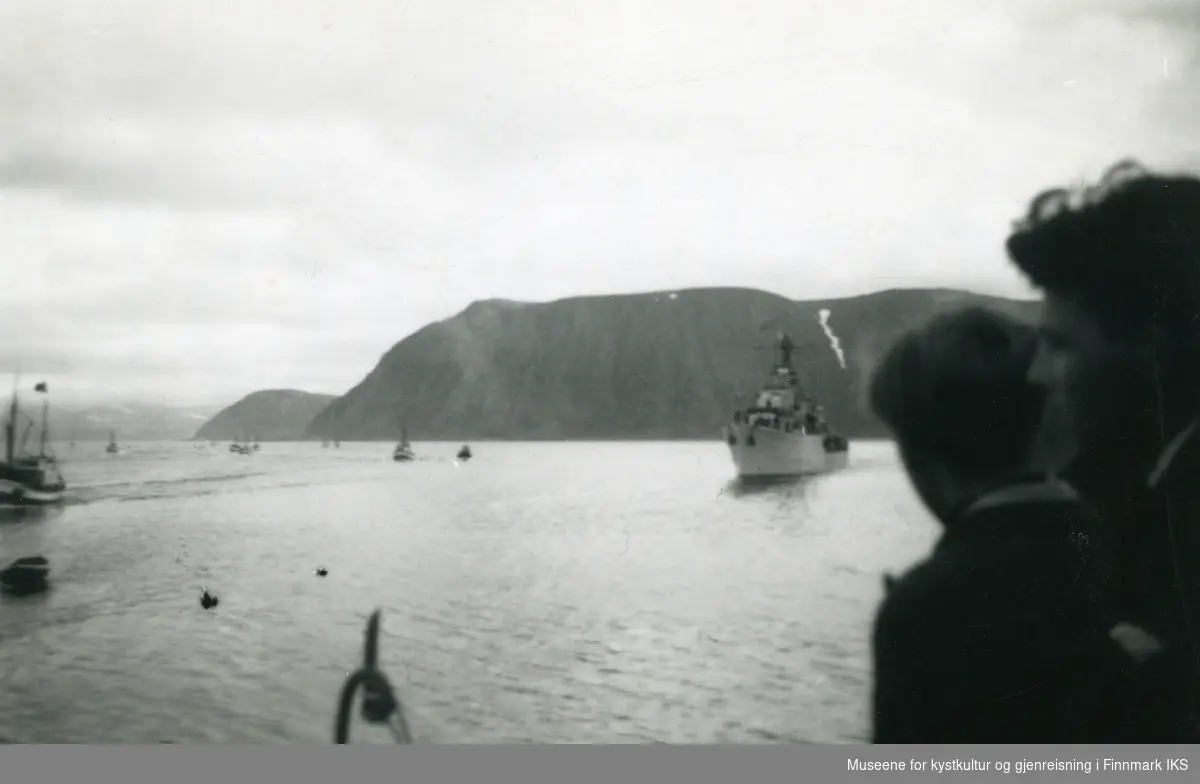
<point>202,199</point>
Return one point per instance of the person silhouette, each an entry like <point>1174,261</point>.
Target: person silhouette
<point>981,641</point>
<point>1118,264</point>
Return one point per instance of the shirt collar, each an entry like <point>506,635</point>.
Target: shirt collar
<point>1047,489</point>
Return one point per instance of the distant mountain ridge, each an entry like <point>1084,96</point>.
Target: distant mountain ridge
<point>267,415</point>
<point>130,421</point>
<point>660,365</point>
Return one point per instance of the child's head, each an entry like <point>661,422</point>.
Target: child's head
<point>956,395</point>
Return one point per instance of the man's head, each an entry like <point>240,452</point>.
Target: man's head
<point>1119,264</point>
<point>957,396</point>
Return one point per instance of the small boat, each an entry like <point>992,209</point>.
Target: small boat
<point>464,454</point>
<point>112,447</point>
<point>26,575</point>
<point>784,434</point>
<point>29,480</point>
<point>403,452</point>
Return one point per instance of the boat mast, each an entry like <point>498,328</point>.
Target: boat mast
<point>10,429</point>
<point>786,347</point>
<point>41,387</point>
<point>45,427</point>
<point>25,436</point>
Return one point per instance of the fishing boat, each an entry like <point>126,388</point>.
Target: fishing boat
<point>403,452</point>
<point>29,479</point>
<point>240,447</point>
<point>112,447</point>
<point>26,575</point>
<point>784,434</point>
<point>464,454</point>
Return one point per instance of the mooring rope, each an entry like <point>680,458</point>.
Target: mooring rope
<point>380,705</point>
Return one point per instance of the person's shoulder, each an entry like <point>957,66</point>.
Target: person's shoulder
<point>926,592</point>
<point>1035,542</point>
<point>921,620</point>
<point>1039,519</point>
<point>1069,509</point>
<point>1075,516</point>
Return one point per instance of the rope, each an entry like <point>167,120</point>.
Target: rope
<point>379,703</point>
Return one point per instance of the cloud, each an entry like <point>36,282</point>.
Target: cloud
<point>219,198</point>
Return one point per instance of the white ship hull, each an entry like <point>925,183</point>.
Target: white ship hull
<point>780,455</point>
<point>19,495</point>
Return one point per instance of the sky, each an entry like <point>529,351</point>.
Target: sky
<point>198,200</point>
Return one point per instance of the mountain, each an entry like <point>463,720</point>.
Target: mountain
<point>268,415</point>
<point>130,421</point>
<point>643,366</point>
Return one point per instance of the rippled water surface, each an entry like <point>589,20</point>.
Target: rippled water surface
<point>543,593</point>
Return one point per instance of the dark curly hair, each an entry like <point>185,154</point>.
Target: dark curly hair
<point>1126,250</point>
<point>956,389</point>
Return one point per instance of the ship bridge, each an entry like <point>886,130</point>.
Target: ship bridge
<point>782,390</point>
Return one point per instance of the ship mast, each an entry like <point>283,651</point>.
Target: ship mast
<point>10,430</point>
<point>45,419</point>
<point>785,368</point>
<point>786,347</point>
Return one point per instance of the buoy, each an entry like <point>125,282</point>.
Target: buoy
<point>322,571</point>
